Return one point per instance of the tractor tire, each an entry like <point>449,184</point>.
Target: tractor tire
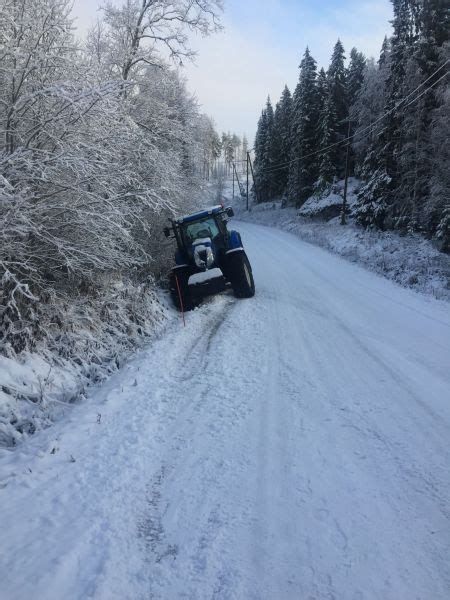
<point>186,302</point>
<point>240,274</point>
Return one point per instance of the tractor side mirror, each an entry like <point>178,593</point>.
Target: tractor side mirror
<point>167,231</point>
<point>229,211</point>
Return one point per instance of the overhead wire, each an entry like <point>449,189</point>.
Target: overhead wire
<point>370,127</point>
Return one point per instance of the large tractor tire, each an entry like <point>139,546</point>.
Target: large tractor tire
<point>240,274</point>
<point>182,274</point>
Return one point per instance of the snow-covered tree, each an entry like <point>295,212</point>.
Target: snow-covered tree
<point>327,136</point>
<point>141,32</point>
<point>265,158</point>
<point>370,155</point>
<point>337,82</point>
<point>303,169</point>
<point>367,109</point>
<point>282,141</point>
<point>355,75</point>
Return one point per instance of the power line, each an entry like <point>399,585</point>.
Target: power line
<point>369,127</point>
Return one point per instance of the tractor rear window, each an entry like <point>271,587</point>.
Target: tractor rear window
<point>206,228</point>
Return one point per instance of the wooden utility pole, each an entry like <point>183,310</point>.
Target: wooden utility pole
<point>347,157</point>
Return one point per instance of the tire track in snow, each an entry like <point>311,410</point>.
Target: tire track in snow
<point>290,446</point>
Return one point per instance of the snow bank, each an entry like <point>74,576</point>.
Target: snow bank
<point>410,260</point>
<point>329,206</point>
<point>85,341</point>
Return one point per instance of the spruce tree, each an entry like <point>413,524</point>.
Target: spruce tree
<point>268,176</point>
<point>367,109</point>
<point>264,155</point>
<point>303,170</point>
<point>260,145</point>
<point>337,82</point>
<point>355,78</point>
<point>385,52</point>
<point>392,136</point>
<point>282,141</point>
<point>431,189</point>
<point>322,90</point>
<point>421,35</point>
<point>327,136</point>
<point>380,199</point>
<point>370,210</point>
<point>355,75</point>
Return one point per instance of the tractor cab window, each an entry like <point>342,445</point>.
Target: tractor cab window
<point>206,228</point>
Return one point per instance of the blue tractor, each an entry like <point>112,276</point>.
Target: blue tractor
<point>209,257</point>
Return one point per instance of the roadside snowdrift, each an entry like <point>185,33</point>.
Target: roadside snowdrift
<point>85,341</point>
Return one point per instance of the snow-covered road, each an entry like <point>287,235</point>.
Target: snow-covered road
<point>291,446</point>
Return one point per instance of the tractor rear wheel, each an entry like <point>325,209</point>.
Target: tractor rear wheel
<point>181,294</point>
<point>240,275</point>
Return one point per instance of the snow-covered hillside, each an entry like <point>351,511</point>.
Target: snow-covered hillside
<point>294,445</point>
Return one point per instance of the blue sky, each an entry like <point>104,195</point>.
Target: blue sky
<point>261,47</point>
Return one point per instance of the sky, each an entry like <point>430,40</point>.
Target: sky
<point>261,46</point>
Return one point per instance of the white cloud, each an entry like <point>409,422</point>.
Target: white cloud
<point>261,48</point>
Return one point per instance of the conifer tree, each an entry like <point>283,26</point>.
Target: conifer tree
<point>337,82</point>
<point>368,109</point>
<point>371,205</point>
<point>327,135</point>
<point>282,141</point>
<point>390,140</point>
<point>322,90</point>
<point>260,144</point>
<point>355,78</point>
<point>419,198</point>
<point>268,176</point>
<point>264,158</point>
<point>355,75</point>
<point>303,169</point>
<point>385,52</point>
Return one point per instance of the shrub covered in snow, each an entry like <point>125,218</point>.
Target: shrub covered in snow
<point>82,340</point>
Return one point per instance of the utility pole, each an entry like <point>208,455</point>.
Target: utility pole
<point>347,157</point>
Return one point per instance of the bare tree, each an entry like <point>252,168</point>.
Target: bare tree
<point>145,32</point>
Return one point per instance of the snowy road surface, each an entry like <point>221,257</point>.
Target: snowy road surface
<point>291,446</point>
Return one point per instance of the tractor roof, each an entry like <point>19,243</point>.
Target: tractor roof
<point>201,214</point>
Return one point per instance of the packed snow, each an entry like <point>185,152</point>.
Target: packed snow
<point>293,445</point>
